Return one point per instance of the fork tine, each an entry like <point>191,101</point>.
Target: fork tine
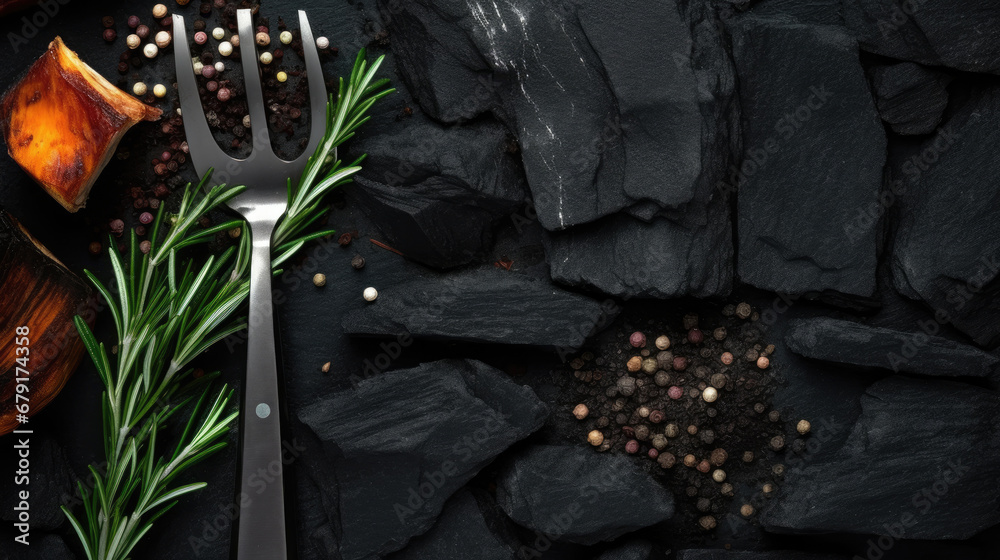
<point>251,78</point>
<point>317,88</point>
<point>202,147</point>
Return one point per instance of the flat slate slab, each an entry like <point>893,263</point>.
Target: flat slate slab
<point>813,148</point>
<point>483,306</point>
<point>854,343</point>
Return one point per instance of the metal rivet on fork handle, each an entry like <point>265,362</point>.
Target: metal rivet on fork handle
<point>261,526</point>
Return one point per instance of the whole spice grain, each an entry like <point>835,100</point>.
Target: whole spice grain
<point>595,438</point>
<point>803,427</point>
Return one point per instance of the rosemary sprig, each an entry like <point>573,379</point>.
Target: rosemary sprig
<point>170,308</point>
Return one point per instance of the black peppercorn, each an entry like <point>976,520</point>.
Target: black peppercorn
<point>358,262</point>
<point>108,22</point>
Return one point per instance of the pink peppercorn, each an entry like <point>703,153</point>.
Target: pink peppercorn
<point>145,218</point>
<point>224,94</point>
<point>201,37</point>
<point>680,363</point>
<point>632,446</point>
<point>145,246</point>
<point>704,466</point>
<point>208,71</point>
<point>695,336</point>
<point>212,86</point>
<point>117,226</point>
<point>656,417</point>
<point>653,453</point>
<point>637,339</point>
<point>675,392</point>
<point>133,21</point>
<point>165,156</point>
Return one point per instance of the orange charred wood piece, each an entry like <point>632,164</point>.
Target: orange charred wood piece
<point>62,122</point>
<point>43,295</point>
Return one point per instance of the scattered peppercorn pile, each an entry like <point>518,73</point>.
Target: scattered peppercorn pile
<point>691,397</point>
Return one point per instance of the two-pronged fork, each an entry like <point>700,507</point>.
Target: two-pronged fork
<point>262,533</point>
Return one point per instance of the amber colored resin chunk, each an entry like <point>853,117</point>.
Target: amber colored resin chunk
<point>43,295</point>
<point>63,120</point>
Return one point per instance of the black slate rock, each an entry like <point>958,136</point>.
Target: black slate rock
<point>854,343</point>
<point>947,237</point>
<point>909,97</point>
<point>622,256</point>
<point>405,441</point>
<point>597,114</point>
<point>436,192</point>
<point>482,306</point>
<point>471,521</point>
<point>575,494</point>
<point>961,35</point>
<point>920,462</point>
<point>814,149</point>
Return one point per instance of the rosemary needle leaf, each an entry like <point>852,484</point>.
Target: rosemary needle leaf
<point>171,306</point>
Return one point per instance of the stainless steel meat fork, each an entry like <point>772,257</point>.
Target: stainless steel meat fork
<point>261,533</point>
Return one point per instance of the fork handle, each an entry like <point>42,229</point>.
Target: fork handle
<point>261,534</point>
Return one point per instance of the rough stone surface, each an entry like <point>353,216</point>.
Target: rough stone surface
<point>922,454</point>
<point>804,118</point>
<point>41,547</point>
<point>482,306</point>
<point>721,554</point>
<point>625,257</point>
<point>965,36</point>
<point>435,191</point>
<point>407,440</point>
<point>850,342</point>
<point>51,483</point>
<point>471,523</point>
<point>947,237</point>
<point>631,550</point>
<point>597,113</point>
<point>909,97</point>
<point>579,495</point>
